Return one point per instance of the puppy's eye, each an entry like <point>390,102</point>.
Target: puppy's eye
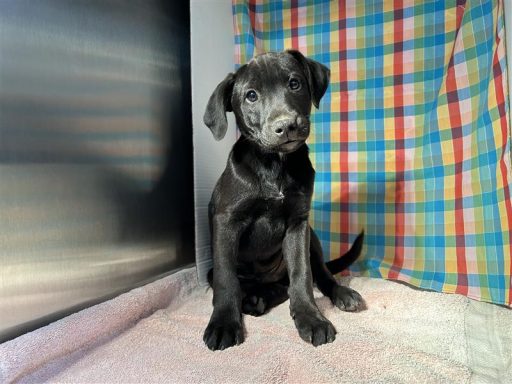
<point>251,96</point>
<point>294,84</point>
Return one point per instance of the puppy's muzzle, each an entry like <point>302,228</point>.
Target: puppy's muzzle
<point>290,129</point>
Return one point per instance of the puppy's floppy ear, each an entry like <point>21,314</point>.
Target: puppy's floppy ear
<point>219,103</point>
<point>317,75</point>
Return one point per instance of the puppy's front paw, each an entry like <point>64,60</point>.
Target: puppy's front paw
<point>314,328</point>
<point>223,334</point>
<point>347,299</point>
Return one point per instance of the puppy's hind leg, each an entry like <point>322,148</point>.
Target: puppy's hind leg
<point>259,298</point>
<point>344,298</point>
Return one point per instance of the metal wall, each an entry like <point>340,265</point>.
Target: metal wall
<point>96,188</point>
<point>210,156</point>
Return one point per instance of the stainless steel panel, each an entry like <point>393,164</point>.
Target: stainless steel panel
<point>95,152</point>
<point>210,156</point>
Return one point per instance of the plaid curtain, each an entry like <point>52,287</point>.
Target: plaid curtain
<point>411,141</point>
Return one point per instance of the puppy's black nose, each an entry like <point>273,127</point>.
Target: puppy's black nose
<point>279,131</point>
<point>283,129</point>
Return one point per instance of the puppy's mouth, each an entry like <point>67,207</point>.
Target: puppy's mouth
<point>290,145</point>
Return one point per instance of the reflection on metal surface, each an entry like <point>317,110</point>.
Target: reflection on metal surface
<point>95,152</point>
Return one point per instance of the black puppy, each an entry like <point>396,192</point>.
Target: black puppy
<point>264,250</point>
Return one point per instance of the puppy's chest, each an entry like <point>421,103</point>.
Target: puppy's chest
<point>279,192</point>
<point>282,197</point>
<point>275,206</point>
<point>274,193</point>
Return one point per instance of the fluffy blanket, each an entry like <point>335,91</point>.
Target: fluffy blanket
<point>154,334</point>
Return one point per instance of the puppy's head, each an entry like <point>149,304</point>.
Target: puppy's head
<point>271,98</point>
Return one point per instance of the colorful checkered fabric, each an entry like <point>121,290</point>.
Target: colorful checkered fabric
<point>411,141</point>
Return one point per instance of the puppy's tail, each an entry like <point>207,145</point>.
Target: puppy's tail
<point>343,262</point>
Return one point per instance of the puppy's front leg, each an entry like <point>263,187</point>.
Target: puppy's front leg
<point>313,327</point>
<point>225,327</point>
